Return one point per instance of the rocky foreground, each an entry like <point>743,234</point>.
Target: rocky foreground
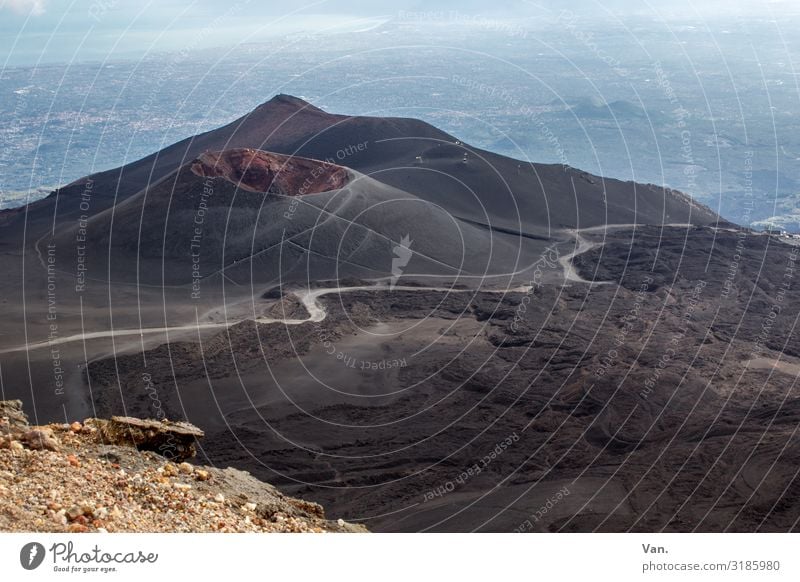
<point>97,476</point>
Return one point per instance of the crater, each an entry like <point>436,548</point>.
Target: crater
<point>268,172</point>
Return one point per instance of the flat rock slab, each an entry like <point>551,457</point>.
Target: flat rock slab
<point>174,440</point>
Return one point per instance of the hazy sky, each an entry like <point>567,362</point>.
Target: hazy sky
<point>72,30</point>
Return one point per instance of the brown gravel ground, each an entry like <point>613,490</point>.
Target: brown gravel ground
<point>87,486</point>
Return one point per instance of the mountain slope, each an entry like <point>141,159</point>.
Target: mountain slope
<point>228,212</point>
<point>405,153</point>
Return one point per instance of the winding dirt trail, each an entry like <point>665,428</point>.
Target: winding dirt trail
<point>582,245</point>
<point>570,273</point>
<point>308,298</point>
<point>316,311</point>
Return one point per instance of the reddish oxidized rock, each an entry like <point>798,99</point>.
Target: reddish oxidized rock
<point>267,172</point>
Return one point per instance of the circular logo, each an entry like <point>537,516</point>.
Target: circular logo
<point>31,555</point>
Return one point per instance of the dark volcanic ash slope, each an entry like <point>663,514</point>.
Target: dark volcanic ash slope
<point>405,153</point>
<point>665,400</point>
<point>260,217</point>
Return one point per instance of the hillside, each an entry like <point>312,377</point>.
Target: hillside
<point>78,478</point>
<point>407,154</point>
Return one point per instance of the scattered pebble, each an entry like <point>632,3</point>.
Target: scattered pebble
<point>74,512</point>
<point>202,475</point>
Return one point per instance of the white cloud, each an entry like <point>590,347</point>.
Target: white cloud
<point>27,7</point>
